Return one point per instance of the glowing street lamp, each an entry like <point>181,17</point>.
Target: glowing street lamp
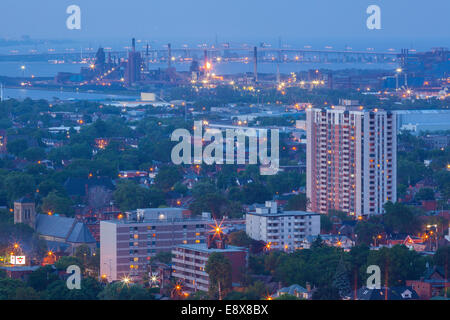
<point>126,280</point>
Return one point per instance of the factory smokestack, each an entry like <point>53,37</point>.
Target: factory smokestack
<point>169,53</point>
<point>255,63</point>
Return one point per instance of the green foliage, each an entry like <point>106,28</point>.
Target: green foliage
<point>425,194</point>
<point>367,231</point>
<point>240,239</point>
<point>316,266</point>
<point>56,203</point>
<point>26,293</point>
<point>326,225</point>
<point>284,182</point>
<point>398,263</point>
<point>121,291</point>
<point>215,203</point>
<point>326,292</point>
<point>218,268</point>
<point>256,291</point>
<point>400,218</point>
<point>40,279</point>
<point>256,193</point>
<point>198,295</point>
<point>16,147</point>
<point>286,297</point>
<point>19,184</point>
<point>341,280</point>
<point>297,202</point>
<point>130,196</point>
<point>90,289</point>
<point>34,154</point>
<point>442,258</point>
<point>167,176</point>
<point>65,262</point>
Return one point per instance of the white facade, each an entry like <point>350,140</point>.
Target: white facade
<point>108,250</point>
<point>351,159</point>
<point>281,230</point>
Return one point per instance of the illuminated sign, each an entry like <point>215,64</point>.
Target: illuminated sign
<point>17,260</point>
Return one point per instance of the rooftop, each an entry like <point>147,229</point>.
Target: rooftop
<point>285,213</point>
<point>202,247</point>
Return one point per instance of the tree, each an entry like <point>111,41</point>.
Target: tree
<point>218,267</point>
<point>367,230</point>
<point>215,203</point>
<point>256,193</point>
<point>325,223</point>
<point>16,147</point>
<point>18,185</point>
<point>90,288</point>
<point>34,154</point>
<point>442,258</point>
<point>8,288</point>
<point>64,262</point>
<point>326,292</point>
<point>40,279</point>
<point>167,176</point>
<point>399,263</point>
<point>400,218</point>
<point>121,291</point>
<point>317,243</point>
<point>203,187</point>
<point>240,239</point>
<point>425,194</point>
<point>27,293</point>
<point>56,203</point>
<point>341,281</point>
<point>297,202</point>
<point>287,296</point>
<point>99,197</point>
<point>130,196</point>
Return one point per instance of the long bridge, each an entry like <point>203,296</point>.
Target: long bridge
<point>226,54</point>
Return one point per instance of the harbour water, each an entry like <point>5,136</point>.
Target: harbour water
<point>51,95</point>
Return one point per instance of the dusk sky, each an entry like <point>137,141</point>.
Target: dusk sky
<point>239,20</point>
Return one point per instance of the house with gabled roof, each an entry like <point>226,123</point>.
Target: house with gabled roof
<point>433,282</point>
<point>63,234</point>
<point>387,293</point>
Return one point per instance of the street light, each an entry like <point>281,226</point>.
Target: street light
<point>398,70</point>
<point>126,280</point>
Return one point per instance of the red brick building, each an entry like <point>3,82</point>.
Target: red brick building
<point>432,284</point>
<point>189,262</point>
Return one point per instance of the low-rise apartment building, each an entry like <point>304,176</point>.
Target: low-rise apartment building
<point>282,230</point>
<point>127,245</point>
<point>189,263</point>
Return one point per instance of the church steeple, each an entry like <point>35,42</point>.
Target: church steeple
<point>25,212</point>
